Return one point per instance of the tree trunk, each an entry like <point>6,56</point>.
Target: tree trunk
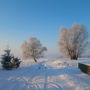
<point>35,59</point>
<point>74,57</point>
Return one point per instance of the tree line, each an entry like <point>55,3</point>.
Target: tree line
<point>72,43</point>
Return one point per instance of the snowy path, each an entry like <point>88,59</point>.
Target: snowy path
<point>55,75</point>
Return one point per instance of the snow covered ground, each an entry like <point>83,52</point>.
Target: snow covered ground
<point>61,74</point>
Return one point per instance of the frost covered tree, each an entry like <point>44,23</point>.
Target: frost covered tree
<point>73,41</point>
<point>8,61</point>
<point>33,49</point>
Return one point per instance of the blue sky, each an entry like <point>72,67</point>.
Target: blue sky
<point>21,19</point>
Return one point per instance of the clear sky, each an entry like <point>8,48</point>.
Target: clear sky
<point>21,19</point>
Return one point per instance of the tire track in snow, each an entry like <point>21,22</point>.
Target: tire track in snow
<point>29,82</point>
<point>80,82</point>
<point>51,84</point>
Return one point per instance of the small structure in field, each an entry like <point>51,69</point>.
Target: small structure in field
<point>84,67</point>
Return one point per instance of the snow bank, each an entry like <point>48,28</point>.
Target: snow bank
<point>61,74</point>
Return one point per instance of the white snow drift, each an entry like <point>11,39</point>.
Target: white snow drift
<point>60,74</point>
